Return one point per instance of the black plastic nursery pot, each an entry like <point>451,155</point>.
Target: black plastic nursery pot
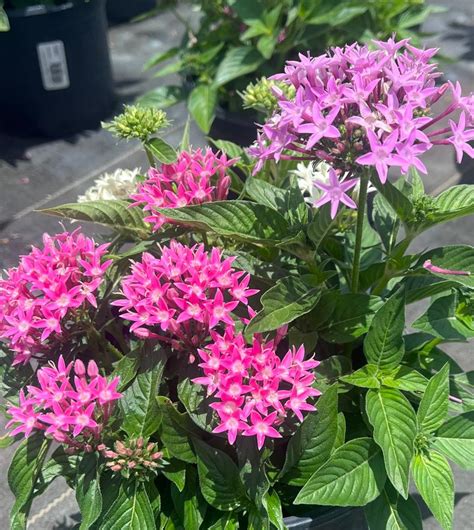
<point>57,77</point>
<point>236,127</point>
<point>125,10</point>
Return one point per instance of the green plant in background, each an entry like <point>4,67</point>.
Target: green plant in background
<point>238,41</point>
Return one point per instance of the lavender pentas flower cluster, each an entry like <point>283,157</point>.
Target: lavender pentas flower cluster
<point>355,107</point>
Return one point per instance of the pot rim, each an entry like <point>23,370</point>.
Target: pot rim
<point>40,9</point>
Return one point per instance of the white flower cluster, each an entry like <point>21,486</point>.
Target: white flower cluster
<point>112,186</point>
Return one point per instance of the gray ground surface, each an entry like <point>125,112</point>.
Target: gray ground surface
<point>36,174</point>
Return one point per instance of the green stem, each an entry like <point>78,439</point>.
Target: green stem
<point>364,184</point>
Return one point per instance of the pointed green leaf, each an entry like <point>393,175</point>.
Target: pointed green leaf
<point>219,478</point>
<point>88,493</point>
<point>442,320</point>
<point>455,202</point>
<point>236,63</point>
<point>455,440</point>
<point>116,215</point>
<point>434,404</point>
<point>404,378</point>
<point>142,415</point>
<point>353,476</point>
<point>23,473</point>
<point>365,377</point>
<point>350,318</point>
<point>289,299</point>
<point>400,203</point>
<point>383,345</point>
<point>394,423</point>
<point>241,220</point>
<point>162,97</point>
<point>131,510</point>
<point>162,151</point>
<point>455,257</point>
<point>272,504</point>
<point>390,511</point>
<point>434,480</point>
<point>321,225</point>
<point>312,443</point>
<point>202,103</point>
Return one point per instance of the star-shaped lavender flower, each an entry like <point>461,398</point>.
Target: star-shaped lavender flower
<point>335,192</point>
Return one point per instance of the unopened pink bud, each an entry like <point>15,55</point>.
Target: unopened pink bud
<point>79,368</point>
<point>92,369</point>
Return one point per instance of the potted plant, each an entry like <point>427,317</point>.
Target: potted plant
<point>244,363</point>
<point>125,10</point>
<point>238,41</point>
<point>60,79</point>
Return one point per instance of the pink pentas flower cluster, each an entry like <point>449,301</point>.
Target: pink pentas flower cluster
<point>254,389</point>
<point>71,409</point>
<point>196,177</point>
<point>48,291</point>
<point>181,295</point>
<point>356,107</point>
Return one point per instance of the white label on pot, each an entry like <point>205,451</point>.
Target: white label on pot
<point>53,65</point>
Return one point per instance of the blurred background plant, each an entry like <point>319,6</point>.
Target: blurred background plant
<point>239,41</point>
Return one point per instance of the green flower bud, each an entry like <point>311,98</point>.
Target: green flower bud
<point>259,95</point>
<point>137,123</point>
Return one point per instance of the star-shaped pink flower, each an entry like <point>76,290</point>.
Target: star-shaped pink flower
<point>335,192</point>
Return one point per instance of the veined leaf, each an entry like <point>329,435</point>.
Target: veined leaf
<point>434,404</point>
<point>219,478</point>
<point>390,511</point>
<point>88,493</point>
<point>397,200</point>
<point>202,103</point>
<point>131,510</point>
<point>404,378</point>
<point>289,299</point>
<point>455,440</point>
<point>383,345</point>
<point>241,220</point>
<point>455,202</point>
<point>162,97</point>
<point>441,320</point>
<point>350,318</point>
<point>236,63</point>
<point>394,423</point>
<point>365,377</point>
<point>457,258</point>
<point>142,415</point>
<point>321,225</point>
<point>162,150</point>
<point>116,215</point>
<point>312,443</point>
<point>353,476</point>
<point>434,480</point>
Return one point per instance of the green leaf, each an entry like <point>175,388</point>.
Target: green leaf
<point>162,151</point>
<point>160,57</point>
<point>5,441</point>
<point>404,378</point>
<point>189,503</point>
<point>131,510</point>
<point>162,97</point>
<point>434,404</point>
<point>4,23</point>
<point>116,215</point>
<point>385,221</point>
<point>88,493</point>
<point>455,202</point>
<point>434,480</point>
<point>383,345</point>
<point>390,511</point>
<point>175,471</point>
<point>266,45</point>
<point>193,397</point>
<point>142,415</point>
<point>171,68</point>
<point>394,423</point>
<point>289,202</point>
<point>272,504</point>
<point>236,63</point>
<point>321,225</point>
<point>365,377</point>
<point>352,476</point>
<point>340,15</point>
<point>341,431</point>
<point>231,150</point>
<point>455,440</point>
<point>60,464</point>
<point>289,299</point>
<point>176,431</point>
<point>400,203</point>
<point>312,443</point>
<point>202,103</point>
<point>23,473</point>
<point>441,320</point>
<point>219,478</point>
<point>456,257</point>
<point>241,220</point>
<point>350,318</point>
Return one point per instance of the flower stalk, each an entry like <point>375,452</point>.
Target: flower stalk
<point>364,186</point>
